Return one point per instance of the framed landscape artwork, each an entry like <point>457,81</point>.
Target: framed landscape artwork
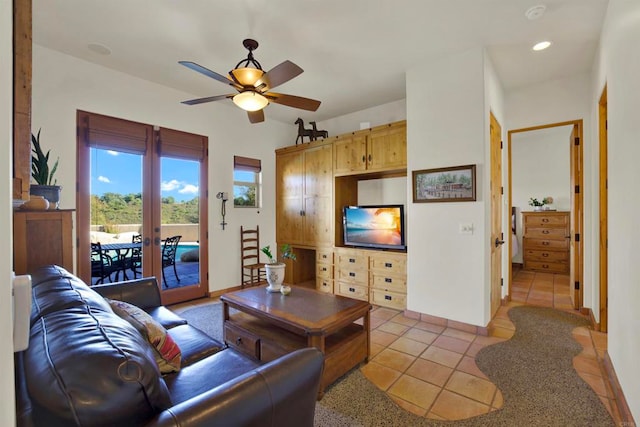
<point>452,184</point>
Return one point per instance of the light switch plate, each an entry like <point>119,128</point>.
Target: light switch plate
<point>466,228</point>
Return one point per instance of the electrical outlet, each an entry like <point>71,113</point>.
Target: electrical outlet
<point>466,228</point>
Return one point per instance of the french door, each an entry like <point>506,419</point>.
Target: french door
<point>137,183</point>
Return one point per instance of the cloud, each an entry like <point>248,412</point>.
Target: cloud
<point>172,185</point>
<point>189,189</point>
<point>113,153</point>
<point>104,179</point>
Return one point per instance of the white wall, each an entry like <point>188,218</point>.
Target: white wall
<point>7,403</point>
<point>540,168</point>
<point>619,66</point>
<point>375,116</point>
<point>447,272</point>
<point>63,84</point>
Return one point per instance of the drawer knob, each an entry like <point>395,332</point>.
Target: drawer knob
<point>352,260</point>
<point>545,231</point>
<point>388,280</point>
<point>545,265</point>
<point>545,220</point>
<point>324,268</point>
<point>324,256</point>
<point>545,254</point>
<point>388,297</point>
<point>352,289</point>
<point>545,243</point>
<point>239,341</point>
<point>352,274</point>
<point>388,264</point>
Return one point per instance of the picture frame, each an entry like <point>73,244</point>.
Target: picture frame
<point>450,184</point>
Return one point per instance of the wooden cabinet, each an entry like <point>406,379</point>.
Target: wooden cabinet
<point>304,183</point>
<point>379,277</point>
<point>377,149</point>
<point>324,270</point>
<point>546,241</point>
<point>42,238</point>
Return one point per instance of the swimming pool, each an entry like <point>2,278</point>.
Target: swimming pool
<point>182,248</point>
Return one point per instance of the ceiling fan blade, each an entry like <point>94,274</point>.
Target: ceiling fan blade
<point>207,99</point>
<point>256,116</point>
<point>207,72</point>
<point>293,101</point>
<point>278,75</point>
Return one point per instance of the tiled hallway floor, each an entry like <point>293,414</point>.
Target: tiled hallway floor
<point>430,370</point>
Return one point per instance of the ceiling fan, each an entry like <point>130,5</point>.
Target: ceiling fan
<point>253,85</point>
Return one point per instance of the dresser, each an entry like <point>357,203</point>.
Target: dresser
<point>546,241</point>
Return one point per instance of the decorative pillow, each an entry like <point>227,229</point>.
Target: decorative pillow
<point>167,352</point>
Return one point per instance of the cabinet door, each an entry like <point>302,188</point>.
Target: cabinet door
<point>317,220</point>
<point>387,148</point>
<point>350,154</point>
<point>318,178</point>
<point>289,209</point>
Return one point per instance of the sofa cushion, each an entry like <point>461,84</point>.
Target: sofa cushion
<point>194,343</point>
<point>166,351</point>
<point>165,317</point>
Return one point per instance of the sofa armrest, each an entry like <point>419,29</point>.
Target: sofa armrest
<point>143,292</point>
<point>281,393</point>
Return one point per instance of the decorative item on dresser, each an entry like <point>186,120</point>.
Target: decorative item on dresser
<point>546,241</point>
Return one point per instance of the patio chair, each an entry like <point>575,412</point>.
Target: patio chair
<point>169,249</point>
<point>136,256</point>
<point>102,265</point>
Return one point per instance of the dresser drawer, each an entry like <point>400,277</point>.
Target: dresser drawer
<point>546,256</point>
<point>388,281</point>
<point>389,299</point>
<point>324,256</point>
<point>242,340</point>
<point>324,271</point>
<point>353,291</point>
<point>546,244</point>
<point>353,260</point>
<point>547,220</point>
<point>393,264</point>
<point>353,276</point>
<point>324,285</point>
<point>546,233</point>
<point>550,267</point>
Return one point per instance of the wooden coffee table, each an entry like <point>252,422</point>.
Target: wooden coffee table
<point>269,325</point>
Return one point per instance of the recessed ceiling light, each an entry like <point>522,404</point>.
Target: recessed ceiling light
<point>535,12</point>
<point>99,48</point>
<point>542,45</point>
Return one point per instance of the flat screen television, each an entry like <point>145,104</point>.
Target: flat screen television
<point>376,227</point>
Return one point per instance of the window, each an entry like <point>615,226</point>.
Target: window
<point>246,182</point>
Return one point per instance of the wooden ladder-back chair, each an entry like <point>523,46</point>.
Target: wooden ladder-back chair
<point>252,270</point>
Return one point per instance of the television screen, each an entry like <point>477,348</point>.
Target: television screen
<point>374,226</point>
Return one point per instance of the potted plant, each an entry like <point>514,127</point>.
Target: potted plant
<point>275,269</point>
<point>43,175</point>
<point>539,205</point>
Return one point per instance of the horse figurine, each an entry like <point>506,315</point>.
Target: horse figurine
<point>317,133</point>
<point>302,132</point>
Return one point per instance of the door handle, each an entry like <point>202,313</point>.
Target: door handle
<point>147,241</point>
<point>156,241</point>
<point>499,242</point>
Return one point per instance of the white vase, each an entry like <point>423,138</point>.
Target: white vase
<point>537,208</point>
<point>275,276</point>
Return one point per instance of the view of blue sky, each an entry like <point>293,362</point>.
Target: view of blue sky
<point>117,172</point>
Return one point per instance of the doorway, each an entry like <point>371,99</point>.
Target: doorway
<point>604,227</point>
<point>139,194</point>
<point>573,142</point>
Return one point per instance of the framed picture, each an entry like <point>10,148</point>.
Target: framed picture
<point>453,184</point>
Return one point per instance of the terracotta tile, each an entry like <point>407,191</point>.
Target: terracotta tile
<point>408,346</point>
<point>607,404</point>
<point>488,340</point>
<point>452,406</point>
<point>384,313</point>
<point>442,356</point>
<point>595,382</point>
<point>584,340</point>
<point>380,375</point>
<point>436,329</point>
<point>375,349</point>
<point>502,333</point>
<point>375,322</point>
<point>498,400</point>
<point>433,319</point>
<point>471,386</point>
<point>409,407</point>
<point>456,333</point>
<point>453,344</point>
<point>420,335</point>
<point>503,323</point>
<point>599,340</point>
<point>433,416</point>
<point>404,320</point>
<point>581,330</point>
<point>415,391</point>
<point>587,365</point>
<point>429,371</point>
<point>394,359</point>
<point>393,328</point>
<point>468,365</point>
<point>382,338</point>
<point>473,349</point>
<point>589,353</point>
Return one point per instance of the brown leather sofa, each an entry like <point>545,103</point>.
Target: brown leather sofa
<point>86,366</point>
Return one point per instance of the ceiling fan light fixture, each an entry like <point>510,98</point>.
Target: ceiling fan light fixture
<point>250,100</point>
<point>541,45</point>
<point>247,76</point>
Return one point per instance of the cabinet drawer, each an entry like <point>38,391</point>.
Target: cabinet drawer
<point>324,285</point>
<point>353,276</point>
<point>389,263</point>
<point>546,256</point>
<point>546,233</point>
<point>387,281</point>
<point>324,271</point>
<point>353,261</point>
<point>389,299</point>
<point>551,267</point>
<point>545,244</point>
<point>546,221</point>
<point>324,256</point>
<point>353,291</point>
<point>242,340</point>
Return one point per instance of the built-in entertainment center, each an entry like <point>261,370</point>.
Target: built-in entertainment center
<point>349,237</point>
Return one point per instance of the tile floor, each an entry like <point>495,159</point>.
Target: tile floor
<point>430,370</point>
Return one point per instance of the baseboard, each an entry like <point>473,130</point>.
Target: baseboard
<point>448,323</point>
<point>218,293</point>
<point>626,417</point>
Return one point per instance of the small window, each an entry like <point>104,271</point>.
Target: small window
<point>247,182</point>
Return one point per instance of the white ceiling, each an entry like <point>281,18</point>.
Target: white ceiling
<point>354,52</point>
